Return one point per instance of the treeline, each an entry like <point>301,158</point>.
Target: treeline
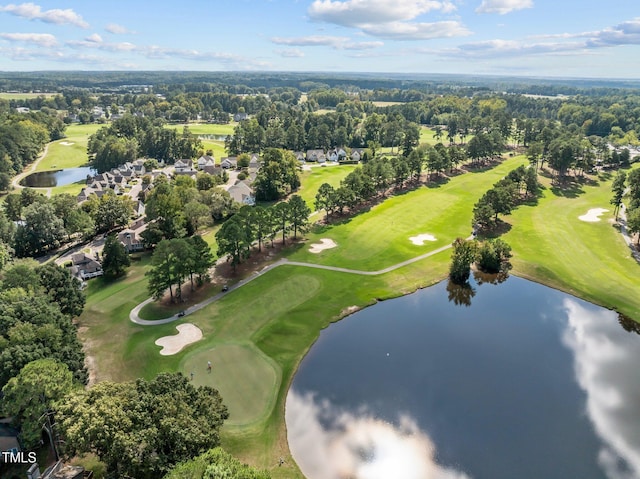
<point>518,185</point>
<point>258,224</point>
<point>22,138</point>
<point>33,224</point>
<point>490,256</point>
<point>133,137</point>
<point>628,184</point>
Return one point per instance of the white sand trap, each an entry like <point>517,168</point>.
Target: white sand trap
<point>593,215</point>
<point>420,239</point>
<point>66,143</point>
<point>325,243</point>
<point>187,333</point>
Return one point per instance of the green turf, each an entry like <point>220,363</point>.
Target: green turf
<point>25,96</point>
<point>379,237</point>
<point>250,392</point>
<point>61,155</point>
<point>590,260</point>
<point>311,180</point>
<point>206,128</point>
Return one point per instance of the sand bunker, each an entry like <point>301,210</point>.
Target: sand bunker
<point>187,333</point>
<point>593,215</point>
<point>325,243</point>
<point>66,143</point>
<point>420,239</point>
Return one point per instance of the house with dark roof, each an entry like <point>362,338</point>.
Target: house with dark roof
<point>85,267</point>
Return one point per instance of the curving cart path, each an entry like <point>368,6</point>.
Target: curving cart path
<point>135,318</point>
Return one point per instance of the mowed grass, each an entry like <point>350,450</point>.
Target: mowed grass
<point>69,152</point>
<point>590,260</point>
<point>311,180</point>
<point>205,128</point>
<point>379,237</point>
<point>25,96</point>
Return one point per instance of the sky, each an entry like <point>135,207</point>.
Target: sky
<point>540,38</point>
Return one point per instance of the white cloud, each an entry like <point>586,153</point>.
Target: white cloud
<point>389,18</point>
<point>353,13</point>
<point>32,11</point>
<point>95,41</point>
<point>290,53</point>
<point>42,39</point>
<point>416,31</point>
<point>327,444</point>
<point>337,43</point>
<point>606,358</point>
<point>503,6</point>
<point>24,54</point>
<point>117,29</point>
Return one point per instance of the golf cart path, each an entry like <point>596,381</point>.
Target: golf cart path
<point>135,318</point>
<point>27,171</point>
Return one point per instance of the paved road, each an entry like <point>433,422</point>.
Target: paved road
<point>134,314</point>
<point>16,180</point>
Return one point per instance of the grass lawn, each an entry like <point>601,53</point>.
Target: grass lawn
<point>25,96</point>
<point>590,260</point>
<point>71,189</point>
<point>427,135</point>
<point>69,152</point>
<point>379,237</point>
<point>205,128</point>
<point>311,180</point>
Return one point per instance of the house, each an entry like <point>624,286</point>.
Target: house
<point>240,116</point>
<point>254,162</point>
<point>230,162</point>
<point>316,155</point>
<point>8,438</point>
<point>131,240</point>
<point>356,154</point>
<point>84,266</point>
<point>241,193</point>
<point>205,160</point>
<point>299,156</point>
<point>22,109</point>
<point>182,166</point>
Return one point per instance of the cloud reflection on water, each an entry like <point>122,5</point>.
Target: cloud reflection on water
<point>330,444</point>
<point>606,367</point>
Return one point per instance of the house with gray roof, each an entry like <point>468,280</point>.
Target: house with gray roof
<point>242,193</point>
<point>84,266</point>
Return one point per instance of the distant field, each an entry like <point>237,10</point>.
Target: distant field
<point>206,128</point>
<point>24,96</point>
<point>386,103</point>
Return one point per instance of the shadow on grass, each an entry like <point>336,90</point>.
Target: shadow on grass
<point>495,231</point>
<point>437,182</point>
<point>567,189</point>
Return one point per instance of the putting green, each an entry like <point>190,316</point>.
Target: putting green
<point>247,380</point>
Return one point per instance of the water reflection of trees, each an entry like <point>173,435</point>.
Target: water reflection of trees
<point>491,278</point>
<point>628,324</point>
<point>460,294</point>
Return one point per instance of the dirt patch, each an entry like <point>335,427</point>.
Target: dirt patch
<point>188,333</point>
<point>421,238</point>
<point>349,310</point>
<point>593,215</point>
<point>325,243</point>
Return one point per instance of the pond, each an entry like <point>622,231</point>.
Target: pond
<point>501,381</point>
<point>50,179</point>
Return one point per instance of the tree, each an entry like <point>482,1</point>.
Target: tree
<point>32,393</point>
<point>493,256</point>
<point>278,176</point>
<point>462,257</point>
<point>633,223</point>
<point>281,214</point>
<point>325,199</point>
<point>115,259</point>
<point>169,266</point>
<point>62,289</point>
<point>112,212</point>
<point>299,214</point>
<point>195,213</point>
<point>232,240</point>
<point>618,188</point>
<point>41,231</point>
<point>141,429</point>
<point>215,464</point>
<point>201,258</point>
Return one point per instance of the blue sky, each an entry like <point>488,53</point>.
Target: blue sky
<point>559,38</point>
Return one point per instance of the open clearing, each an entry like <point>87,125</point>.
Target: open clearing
<point>593,215</point>
<point>187,334</point>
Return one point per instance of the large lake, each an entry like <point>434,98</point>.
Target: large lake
<point>50,179</point>
<point>525,382</point>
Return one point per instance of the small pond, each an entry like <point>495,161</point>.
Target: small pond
<point>504,381</point>
<point>50,179</point>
